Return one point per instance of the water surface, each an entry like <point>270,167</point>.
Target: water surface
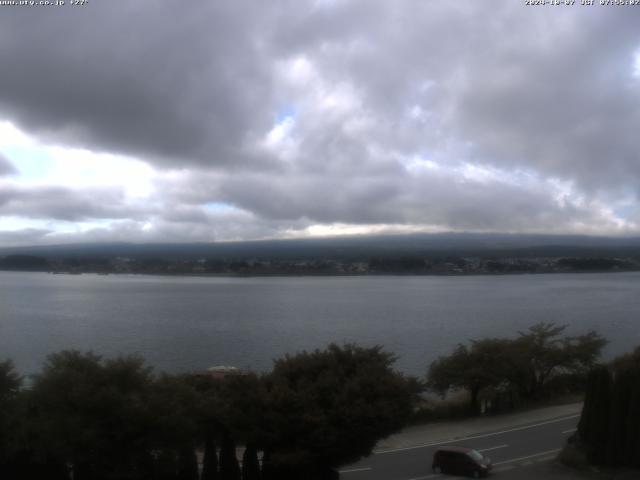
<point>188,323</point>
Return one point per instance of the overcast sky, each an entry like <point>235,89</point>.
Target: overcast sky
<point>154,120</point>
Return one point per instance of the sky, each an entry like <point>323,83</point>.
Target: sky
<point>161,121</point>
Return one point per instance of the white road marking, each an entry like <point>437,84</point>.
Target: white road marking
<point>571,430</point>
<point>528,456</point>
<point>435,475</point>
<point>353,470</point>
<point>474,437</point>
<point>544,459</point>
<point>504,469</point>
<point>493,448</point>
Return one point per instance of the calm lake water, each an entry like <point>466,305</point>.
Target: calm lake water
<point>189,323</point>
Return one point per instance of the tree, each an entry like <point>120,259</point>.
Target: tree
<point>525,364</point>
<point>18,459</point>
<point>632,433</point>
<point>330,407</point>
<point>11,417</point>
<point>596,428</point>
<point>10,381</point>
<point>101,406</point>
<point>229,468</point>
<point>627,361</point>
<point>187,464</point>
<point>240,405</point>
<point>250,463</point>
<point>484,364</point>
<point>231,409</point>
<point>210,460</point>
<point>609,428</point>
<point>618,416</point>
<point>543,353</point>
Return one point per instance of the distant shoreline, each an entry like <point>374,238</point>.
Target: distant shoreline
<point>328,274</point>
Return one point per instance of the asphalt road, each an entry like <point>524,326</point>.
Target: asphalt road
<point>509,449</point>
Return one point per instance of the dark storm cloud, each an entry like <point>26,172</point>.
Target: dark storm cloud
<point>65,204</point>
<point>161,80</point>
<point>6,167</point>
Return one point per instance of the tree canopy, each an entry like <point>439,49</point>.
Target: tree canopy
<point>92,418</point>
<point>524,364</point>
<point>330,407</point>
<point>485,363</point>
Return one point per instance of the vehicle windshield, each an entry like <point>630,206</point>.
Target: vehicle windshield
<point>476,455</point>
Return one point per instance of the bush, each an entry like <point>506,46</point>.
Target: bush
<point>455,406</point>
<point>573,456</point>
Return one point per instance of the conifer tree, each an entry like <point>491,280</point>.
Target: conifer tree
<point>585,425</point>
<point>210,460</point>
<point>187,464</point>
<point>618,417</point>
<point>229,468</point>
<point>598,429</point>
<point>250,463</point>
<point>632,431</point>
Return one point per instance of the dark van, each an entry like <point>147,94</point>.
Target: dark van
<point>461,461</point>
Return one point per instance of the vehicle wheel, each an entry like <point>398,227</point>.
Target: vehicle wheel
<point>437,470</point>
<point>476,474</point>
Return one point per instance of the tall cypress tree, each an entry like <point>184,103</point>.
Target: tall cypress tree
<point>229,468</point>
<point>632,433</point>
<point>166,465</point>
<point>267,467</point>
<point>598,429</point>
<point>187,464</point>
<point>618,417</point>
<point>585,425</point>
<point>210,460</point>
<point>250,463</point>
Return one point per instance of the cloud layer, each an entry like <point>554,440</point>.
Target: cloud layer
<point>237,120</point>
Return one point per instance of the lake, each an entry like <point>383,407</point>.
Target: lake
<point>190,323</point>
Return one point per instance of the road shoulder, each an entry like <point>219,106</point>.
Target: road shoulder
<point>439,432</point>
<point>554,470</point>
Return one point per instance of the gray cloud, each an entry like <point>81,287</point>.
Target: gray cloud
<point>544,93</point>
<point>65,204</point>
<point>229,227</point>
<point>436,197</point>
<point>28,236</point>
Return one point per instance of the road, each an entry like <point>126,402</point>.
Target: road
<point>509,449</point>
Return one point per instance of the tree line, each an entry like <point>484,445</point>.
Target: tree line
<point>540,362</point>
<point>84,417</point>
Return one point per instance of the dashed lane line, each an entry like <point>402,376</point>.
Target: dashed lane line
<point>493,448</point>
<point>354,470</point>
<point>519,459</point>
